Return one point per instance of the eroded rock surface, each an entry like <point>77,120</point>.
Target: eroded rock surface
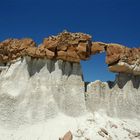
<point>98,47</point>
<point>122,59</point>
<point>38,89</point>
<point>11,49</point>
<point>42,97</point>
<point>71,47</point>
<point>118,99</point>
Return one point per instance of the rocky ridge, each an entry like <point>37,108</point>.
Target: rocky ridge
<point>73,47</point>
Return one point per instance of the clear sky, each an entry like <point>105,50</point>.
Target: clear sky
<point>115,21</point>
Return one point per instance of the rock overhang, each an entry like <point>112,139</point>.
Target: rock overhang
<point>73,47</point>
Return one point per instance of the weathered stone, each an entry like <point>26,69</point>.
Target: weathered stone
<point>97,47</point>
<point>72,56</point>
<point>67,136</point>
<point>62,48</point>
<point>82,47</point>
<point>104,131</point>
<point>11,49</point>
<point>37,53</point>
<point>85,37</point>
<point>101,133</point>
<point>82,55</point>
<point>122,59</point>
<point>31,51</point>
<point>62,55</point>
<point>27,42</point>
<point>73,47</point>
<point>50,44</point>
<point>114,52</point>
<point>4,58</point>
<point>118,98</point>
<point>49,54</point>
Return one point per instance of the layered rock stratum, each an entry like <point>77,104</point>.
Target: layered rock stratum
<point>43,94</point>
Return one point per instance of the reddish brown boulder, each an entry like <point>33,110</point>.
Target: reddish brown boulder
<point>98,47</point>
<point>69,46</point>
<point>49,54</point>
<point>122,59</point>
<point>82,47</point>
<point>62,55</point>
<point>67,136</point>
<point>50,43</point>
<point>62,48</point>
<point>11,49</point>
<point>72,47</point>
<point>72,56</point>
<point>114,52</point>
<point>31,51</point>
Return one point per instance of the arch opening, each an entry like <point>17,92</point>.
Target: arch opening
<point>96,69</point>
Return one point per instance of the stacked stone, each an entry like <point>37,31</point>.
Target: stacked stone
<point>71,47</point>
<point>122,59</point>
<point>11,49</point>
<point>67,46</point>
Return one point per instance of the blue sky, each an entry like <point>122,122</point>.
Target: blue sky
<point>106,20</point>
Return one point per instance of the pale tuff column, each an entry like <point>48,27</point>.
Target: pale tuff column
<point>120,100</point>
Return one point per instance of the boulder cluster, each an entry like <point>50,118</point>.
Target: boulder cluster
<point>122,59</point>
<point>67,46</point>
<point>73,47</point>
<point>11,49</point>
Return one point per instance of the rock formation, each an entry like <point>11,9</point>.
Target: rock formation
<point>73,47</point>
<point>123,59</point>
<point>12,49</point>
<point>67,136</point>
<point>43,94</point>
<point>118,99</point>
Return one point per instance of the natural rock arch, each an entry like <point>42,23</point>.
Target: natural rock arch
<point>96,68</point>
<point>72,47</point>
<point>36,86</point>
